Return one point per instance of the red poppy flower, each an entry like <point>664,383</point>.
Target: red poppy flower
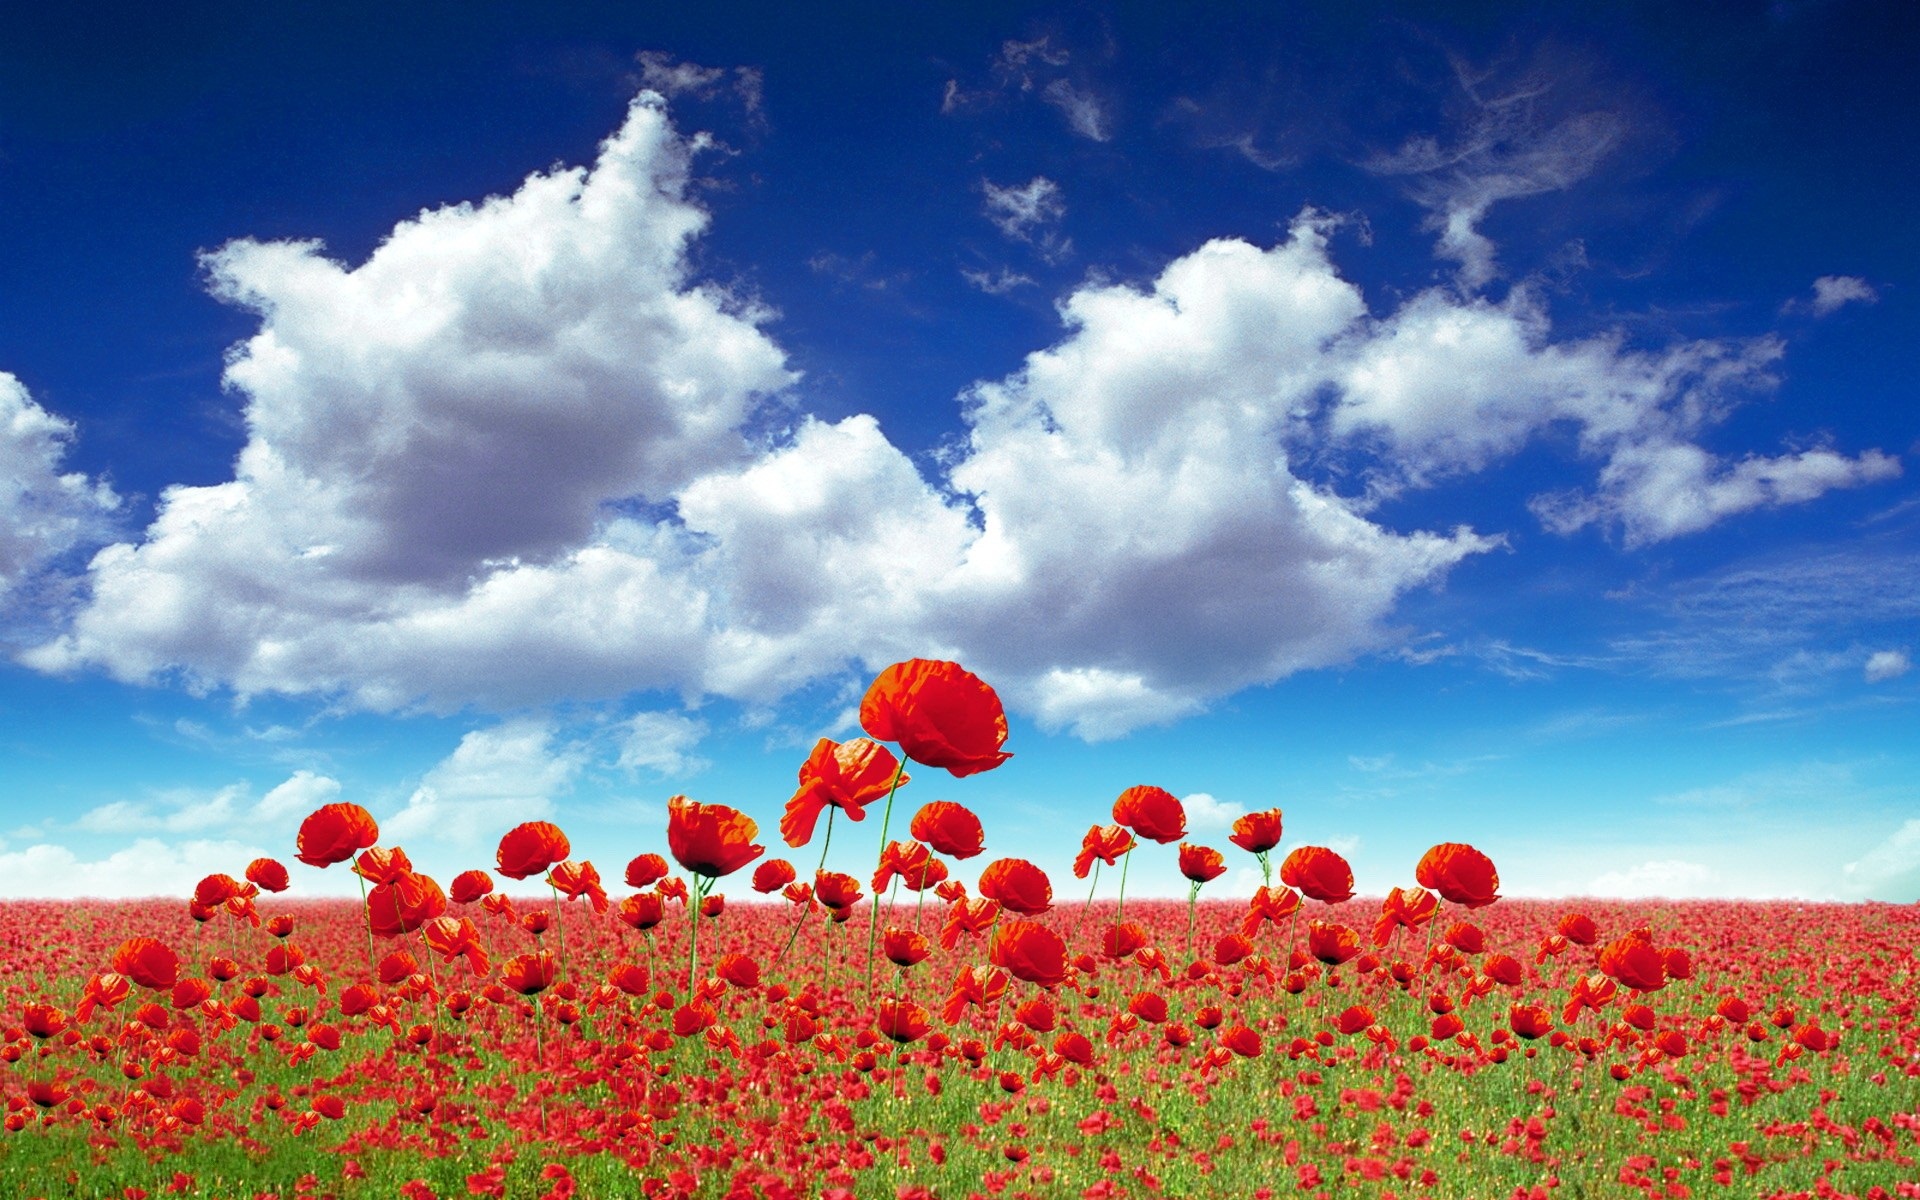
<point>1459,873</point>
<point>1593,992</point>
<point>576,880</point>
<point>269,874</point>
<point>1201,864</point>
<point>1635,963</point>
<point>469,886</point>
<point>1331,944</point>
<point>1029,951</point>
<point>847,775</point>
<point>1153,813</point>
<point>148,963</point>
<point>215,890</point>
<point>772,875</point>
<point>1017,884</point>
<point>1404,909</point>
<point>911,863</point>
<point>950,829</point>
<point>1242,1041</point>
<point>739,971</point>
<point>939,713</point>
<point>1356,1018</point>
<point>1504,968</point>
<point>710,839</point>
<point>382,865</point>
<point>838,891</point>
<point>645,870</point>
<point>529,849</point>
<point>529,974</point>
<point>904,947</point>
<point>404,904</point>
<point>1466,938</point>
<point>1579,929</point>
<point>1257,832</point>
<point>1530,1021</point>
<point>901,1021</point>
<point>968,915</point>
<point>453,938</point>
<point>976,986</point>
<point>1121,940</point>
<point>1150,1007</point>
<point>643,910</point>
<point>1319,873</point>
<point>1232,948</point>
<point>1104,842</point>
<point>335,833</point>
<point>1269,905</point>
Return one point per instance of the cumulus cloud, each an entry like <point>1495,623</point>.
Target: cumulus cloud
<point>663,743</point>
<point>44,511</point>
<point>501,464</point>
<point>495,779</point>
<point>148,867</point>
<point>1669,878</point>
<point>1204,811</point>
<point>188,810</point>
<point>1883,665</point>
<point>1891,867</point>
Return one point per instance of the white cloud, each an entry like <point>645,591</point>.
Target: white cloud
<point>1889,868</point>
<point>500,464</point>
<point>663,743</point>
<point>1037,67</point>
<point>299,795</point>
<point>996,283</point>
<point>146,868</point>
<point>177,811</point>
<point>1883,665</point>
<point>44,512</point>
<point>1085,114</point>
<point>1670,878</point>
<point>495,779</point>
<point>1025,213</point>
<point>1834,292</point>
<point>1204,811</point>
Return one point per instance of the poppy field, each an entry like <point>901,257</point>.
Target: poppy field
<point>734,1024</point>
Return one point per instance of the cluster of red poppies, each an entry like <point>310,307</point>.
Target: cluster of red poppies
<point>1004,988</point>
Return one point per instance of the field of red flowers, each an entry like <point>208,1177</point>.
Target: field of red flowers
<point>719,1032</point>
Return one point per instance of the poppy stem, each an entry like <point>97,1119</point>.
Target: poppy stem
<point>1082,919</point>
<point>559,923</point>
<point>1120,913</point>
<point>1193,902</point>
<point>700,885</point>
<point>366,916</point>
<point>886,819</point>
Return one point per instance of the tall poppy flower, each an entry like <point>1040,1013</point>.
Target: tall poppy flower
<point>1404,908</point>
<point>1154,813</point>
<point>772,875</point>
<point>382,865</point>
<point>910,863</point>
<point>469,886</point>
<point>1018,885</point>
<point>1269,906</point>
<point>530,848</point>
<point>1103,842</point>
<point>577,879</point>
<point>1331,944</point>
<point>1201,864</point>
<point>1579,929</point>
<point>1634,962</point>
<point>939,713</point>
<point>948,828</point>
<point>1530,1021</point>
<point>1257,832</point>
<point>845,775</point>
<point>529,974</point>
<point>1319,873</point>
<point>404,904</point>
<point>646,870</point>
<point>710,840</point>
<point>838,891</point>
<point>1461,874</point>
<point>148,963</point>
<point>269,874</point>
<point>901,1021</point>
<point>334,833</point>
<point>1466,938</point>
<point>1029,951</point>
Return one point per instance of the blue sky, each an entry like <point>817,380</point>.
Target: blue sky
<point>1492,429</point>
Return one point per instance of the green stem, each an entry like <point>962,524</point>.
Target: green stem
<point>559,924</point>
<point>1083,912</point>
<point>366,917</point>
<point>1125,860</point>
<point>700,885</point>
<point>1193,901</point>
<point>873,917</point>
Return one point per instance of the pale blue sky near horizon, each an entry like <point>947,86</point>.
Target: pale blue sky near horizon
<point>1492,428</point>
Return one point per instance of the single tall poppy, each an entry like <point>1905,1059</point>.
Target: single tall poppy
<point>948,828</point>
<point>530,848</point>
<point>1201,864</point>
<point>710,839</point>
<point>1257,832</point>
<point>939,713</point>
<point>334,833</point>
<point>1320,873</point>
<point>845,775</point>
<point>1154,813</point>
<point>1103,842</point>
<point>1018,885</point>
<point>1461,874</point>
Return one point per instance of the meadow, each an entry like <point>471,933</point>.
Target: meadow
<point>773,1033</point>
